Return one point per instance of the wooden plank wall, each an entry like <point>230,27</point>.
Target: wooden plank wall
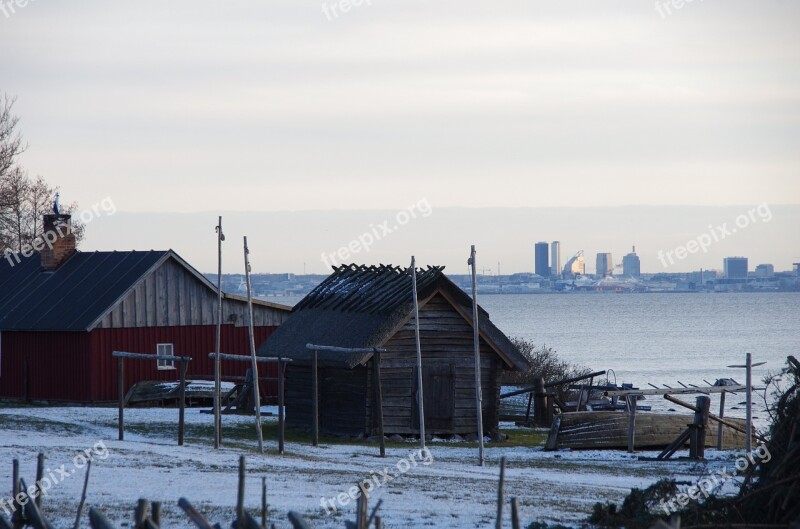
<point>342,396</point>
<point>171,296</point>
<point>446,340</point>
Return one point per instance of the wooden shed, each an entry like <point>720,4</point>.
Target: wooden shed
<point>368,307</point>
<point>63,312</point>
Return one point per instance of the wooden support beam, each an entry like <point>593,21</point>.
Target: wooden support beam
<point>182,402</point>
<point>631,422</point>
<point>121,398</point>
<point>281,407</point>
<point>697,448</point>
<point>720,429</point>
<point>246,358</point>
<point>315,398</point>
<point>710,416</point>
<point>673,391</point>
<point>376,375</point>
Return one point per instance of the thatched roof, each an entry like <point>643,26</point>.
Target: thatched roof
<point>360,306</point>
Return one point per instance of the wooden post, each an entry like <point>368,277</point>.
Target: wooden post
<point>281,409</point>
<point>140,513</point>
<point>549,406</point>
<point>256,391</point>
<point>420,393</point>
<point>182,402</point>
<point>39,476</point>
<point>121,396</point>
<point>240,522</point>
<point>217,339</point>
<point>315,398</point>
<point>376,374</point>
<point>632,422</point>
<point>528,409</point>
<point>700,423</point>
<point>77,523</point>
<point>748,443</point>
<point>500,486</point>
<point>264,510</point>
<point>477,347</point>
<point>515,513</point>
<point>540,402</point>
<point>720,429</point>
<point>156,513</point>
<point>17,520</point>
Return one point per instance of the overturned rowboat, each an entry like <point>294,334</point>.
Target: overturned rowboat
<point>609,429</point>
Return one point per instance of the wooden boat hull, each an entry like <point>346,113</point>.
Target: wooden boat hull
<point>609,429</point>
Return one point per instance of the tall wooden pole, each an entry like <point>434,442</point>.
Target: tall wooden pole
<point>182,402</point>
<point>749,417</point>
<point>477,344</point>
<point>315,397</point>
<point>121,397</point>
<point>720,429</point>
<point>376,374</point>
<point>217,339</point>
<point>256,391</point>
<point>281,409</point>
<point>420,399</point>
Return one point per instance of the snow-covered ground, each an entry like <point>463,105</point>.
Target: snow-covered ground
<point>447,490</point>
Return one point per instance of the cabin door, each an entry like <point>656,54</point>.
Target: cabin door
<point>439,392</point>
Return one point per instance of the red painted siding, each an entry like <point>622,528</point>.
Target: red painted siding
<point>78,366</point>
<point>57,365</point>
<point>194,341</point>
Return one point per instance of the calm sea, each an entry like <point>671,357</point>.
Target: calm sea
<point>656,338</point>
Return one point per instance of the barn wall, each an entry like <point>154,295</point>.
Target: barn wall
<point>342,400</point>
<point>171,296</point>
<point>447,354</point>
<point>57,365</point>
<point>194,341</point>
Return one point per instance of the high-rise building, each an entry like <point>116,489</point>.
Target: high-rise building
<point>605,266</point>
<point>735,267</point>
<point>574,267</point>
<point>555,259</point>
<point>541,264</point>
<point>631,266</point>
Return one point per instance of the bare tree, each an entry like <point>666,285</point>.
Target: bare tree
<point>23,200</point>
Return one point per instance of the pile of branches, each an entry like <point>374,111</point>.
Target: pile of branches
<point>769,495</point>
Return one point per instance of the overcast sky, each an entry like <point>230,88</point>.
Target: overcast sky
<point>200,106</point>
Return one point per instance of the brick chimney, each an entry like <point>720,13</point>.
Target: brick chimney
<point>58,241</point>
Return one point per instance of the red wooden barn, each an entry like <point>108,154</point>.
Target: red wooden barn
<point>63,312</point>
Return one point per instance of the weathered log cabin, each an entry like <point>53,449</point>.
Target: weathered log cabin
<point>63,312</point>
<point>372,307</point>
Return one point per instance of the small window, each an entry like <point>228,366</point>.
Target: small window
<point>165,349</point>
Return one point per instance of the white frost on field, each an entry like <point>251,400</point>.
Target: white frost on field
<point>451,492</point>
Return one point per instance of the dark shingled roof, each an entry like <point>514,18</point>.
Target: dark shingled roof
<point>77,293</point>
<point>359,306</point>
<point>71,297</point>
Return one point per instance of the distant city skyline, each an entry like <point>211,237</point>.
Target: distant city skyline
<point>294,241</point>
